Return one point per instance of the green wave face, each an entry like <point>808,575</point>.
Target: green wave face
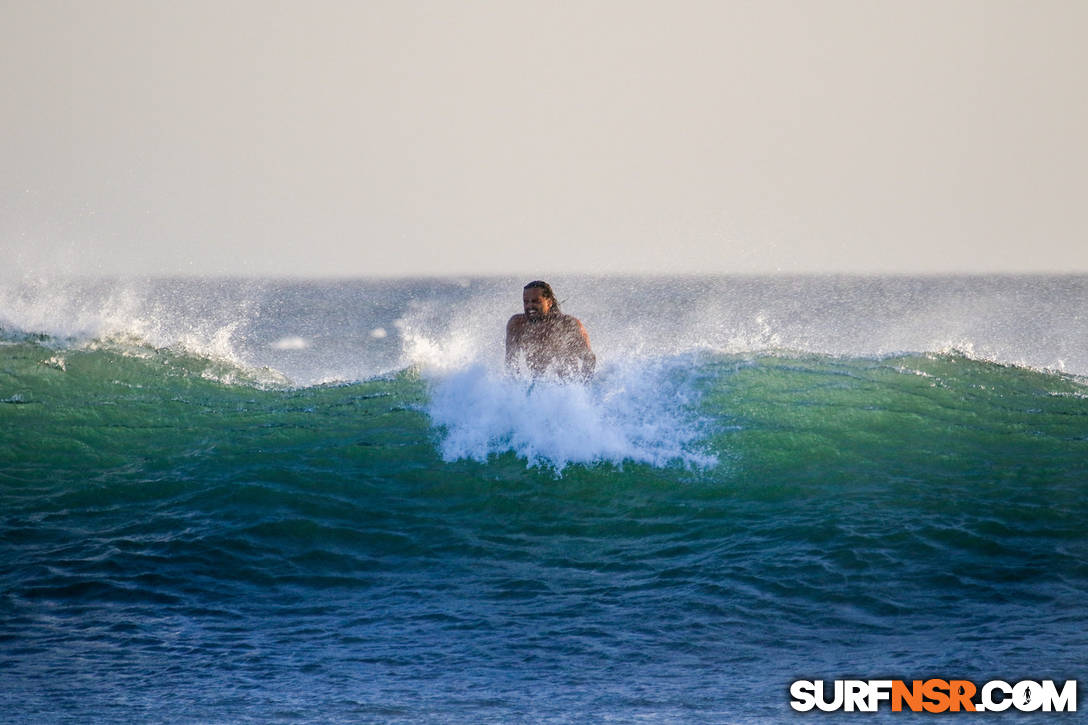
<point>776,419</point>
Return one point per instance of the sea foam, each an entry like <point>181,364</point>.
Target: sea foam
<point>636,412</point>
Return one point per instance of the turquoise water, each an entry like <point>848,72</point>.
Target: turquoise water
<point>191,534</point>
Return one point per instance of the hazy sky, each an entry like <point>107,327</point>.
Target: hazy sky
<point>541,136</point>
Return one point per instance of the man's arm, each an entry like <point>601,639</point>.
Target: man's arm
<point>584,351</point>
<point>513,332</point>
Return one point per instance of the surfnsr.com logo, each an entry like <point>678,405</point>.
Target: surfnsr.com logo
<point>934,695</point>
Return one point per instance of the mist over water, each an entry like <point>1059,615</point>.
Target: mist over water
<point>318,331</point>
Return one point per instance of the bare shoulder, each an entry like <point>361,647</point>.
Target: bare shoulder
<point>574,323</point>
<point>515,322</point>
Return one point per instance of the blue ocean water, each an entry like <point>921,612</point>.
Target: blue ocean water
<point>261,500</point>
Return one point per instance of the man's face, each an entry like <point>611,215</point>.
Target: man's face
<point>535,303</point>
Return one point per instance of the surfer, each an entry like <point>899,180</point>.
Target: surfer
<point>543,340</point>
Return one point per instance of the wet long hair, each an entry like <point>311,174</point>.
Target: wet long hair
<point>547,292</point>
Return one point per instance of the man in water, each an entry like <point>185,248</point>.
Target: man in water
<point>545,341</point>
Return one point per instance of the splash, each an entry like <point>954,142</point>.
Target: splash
<point>169,320</point>
<point>315,331</point>
<point>642,413</point>
<point>640,408</point>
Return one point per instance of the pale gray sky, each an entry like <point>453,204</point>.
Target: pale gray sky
<point>539,136</point>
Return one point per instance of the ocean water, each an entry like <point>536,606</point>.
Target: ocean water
<point>269,501</point>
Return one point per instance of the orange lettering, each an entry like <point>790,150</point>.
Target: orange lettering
<point>961,692</point>
<point>912,695</point>
<point>936,691</point>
